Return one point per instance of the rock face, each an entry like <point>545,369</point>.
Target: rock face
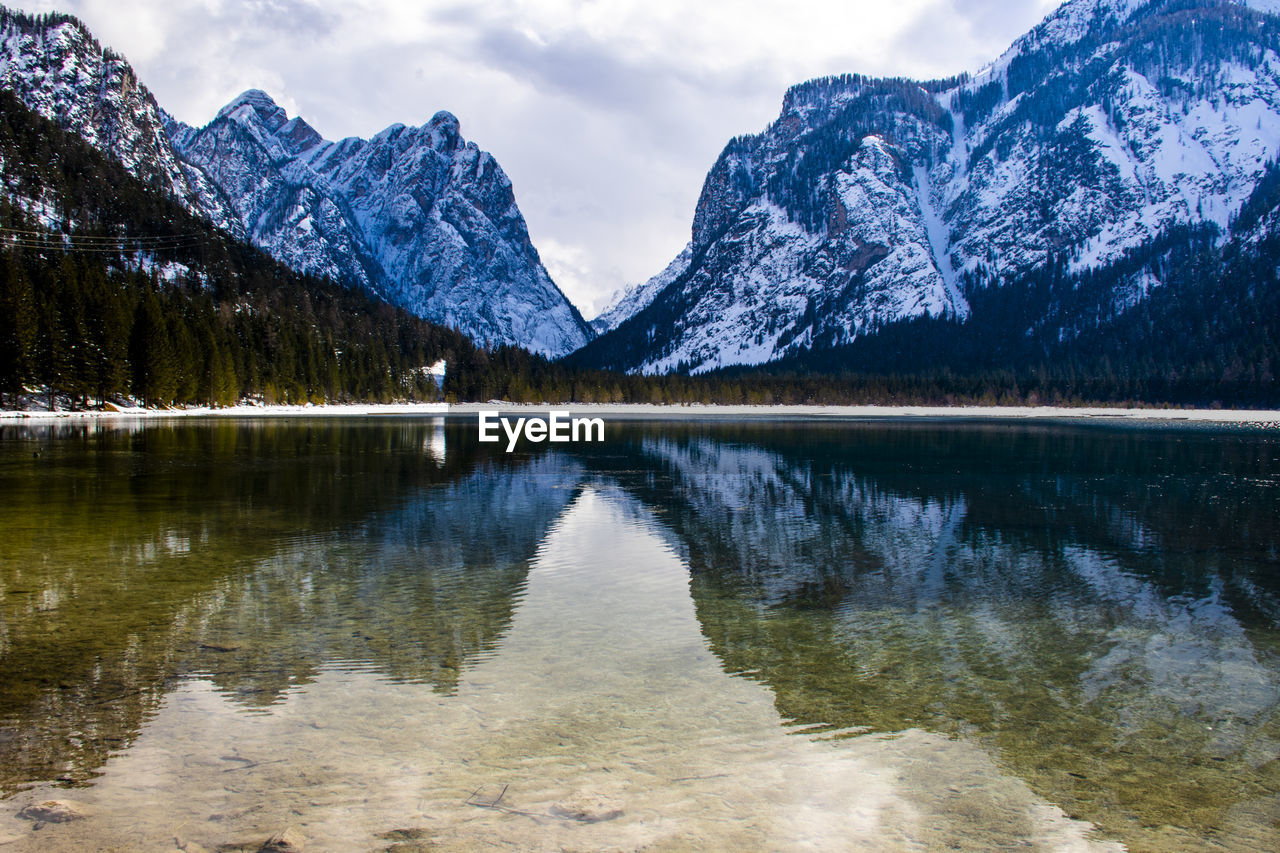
<point>869,201</point>
<point>57,68</point>
<point>417,215</point>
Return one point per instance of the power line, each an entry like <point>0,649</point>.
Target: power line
<point>89,237</point>
<point>17,244</point>
<point>121,242</point>
<point>40,240</point>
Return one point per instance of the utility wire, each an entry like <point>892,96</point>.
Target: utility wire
<point>28,239</point>
<point>104,250</point>
<point>91,237</point>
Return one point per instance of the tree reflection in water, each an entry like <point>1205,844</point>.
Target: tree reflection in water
<point>1095,610</point>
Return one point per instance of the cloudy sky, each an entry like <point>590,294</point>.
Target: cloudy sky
<point>606,114</point>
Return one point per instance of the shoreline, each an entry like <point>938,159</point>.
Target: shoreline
<point>1265,417</point>
<point>1269,418</point>
<point>241,411</point>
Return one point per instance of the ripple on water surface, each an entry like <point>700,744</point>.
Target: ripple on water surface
<point>938,637</point>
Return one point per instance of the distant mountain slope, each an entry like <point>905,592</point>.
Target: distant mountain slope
<point>869,202</point>
<point>417,216</point>
<point>628,302</point>
<point>56,67</point>
<point>110,288</point>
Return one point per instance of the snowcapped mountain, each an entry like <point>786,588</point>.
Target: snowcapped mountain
<point>416,215</point>
<point>870,201</point>
<point>56,67</point>
<point>629,301</point>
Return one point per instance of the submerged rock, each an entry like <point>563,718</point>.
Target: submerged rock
<point>188,846</point>
<point>411,840</point>
<point>55,811</point>
<point>289,841</point>
<point>587,809</point>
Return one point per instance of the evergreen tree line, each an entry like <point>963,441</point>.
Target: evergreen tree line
<point>1206,333</point>
<point>81,328</point>
<point>140,298</point>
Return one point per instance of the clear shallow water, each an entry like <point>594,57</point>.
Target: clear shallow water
<point>698,636</point>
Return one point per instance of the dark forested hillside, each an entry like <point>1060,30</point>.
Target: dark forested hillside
<point>110,288</point>
<point>1206,332</point>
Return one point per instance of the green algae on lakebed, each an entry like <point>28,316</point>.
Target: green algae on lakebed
<point>803,632</point>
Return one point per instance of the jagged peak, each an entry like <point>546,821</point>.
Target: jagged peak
<point>299,135</point>
<point>47,21</point>
<point>444,118</point>
<point>447,126</point>
<point>267,110</point>
<point>390,133</point>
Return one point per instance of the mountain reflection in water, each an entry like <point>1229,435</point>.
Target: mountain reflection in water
<point>1039,591</point>
<point>975,630</point>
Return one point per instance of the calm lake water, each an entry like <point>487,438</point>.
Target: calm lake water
<point>777,635</point>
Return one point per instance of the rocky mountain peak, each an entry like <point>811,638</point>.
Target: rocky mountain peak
<point>445,127</point>
<point>261,109</point>
<point>873,201</point>
<point>419,216</point>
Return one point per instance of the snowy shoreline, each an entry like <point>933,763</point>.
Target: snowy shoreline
<point>244,411</point>
<point>1268,418</point>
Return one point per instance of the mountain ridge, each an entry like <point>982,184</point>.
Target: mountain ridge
<point>419,215</point>
<point>472,265</point>
<point>55,66</point>
<point>1106,123</point>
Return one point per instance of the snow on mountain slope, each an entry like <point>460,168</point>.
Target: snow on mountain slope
<point>56,67</point>
<point>806,235</point>
<point>876,245</point>
<point>627,302</point>
<point>870,201</point>
<point>418,216</point>
<point>1162,125</point>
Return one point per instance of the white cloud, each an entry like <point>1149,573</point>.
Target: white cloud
<point>570,267</point>
<point>606,114</point>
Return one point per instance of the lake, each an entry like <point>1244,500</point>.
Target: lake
<point>381,634</point>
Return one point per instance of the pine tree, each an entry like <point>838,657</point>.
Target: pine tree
<point>77,375</point>
<point>110,317</point>
<point>19,329</point>
<point>187,362</point>
<point>154,378</point>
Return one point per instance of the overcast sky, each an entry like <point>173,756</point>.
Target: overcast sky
<point>606,114</point>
